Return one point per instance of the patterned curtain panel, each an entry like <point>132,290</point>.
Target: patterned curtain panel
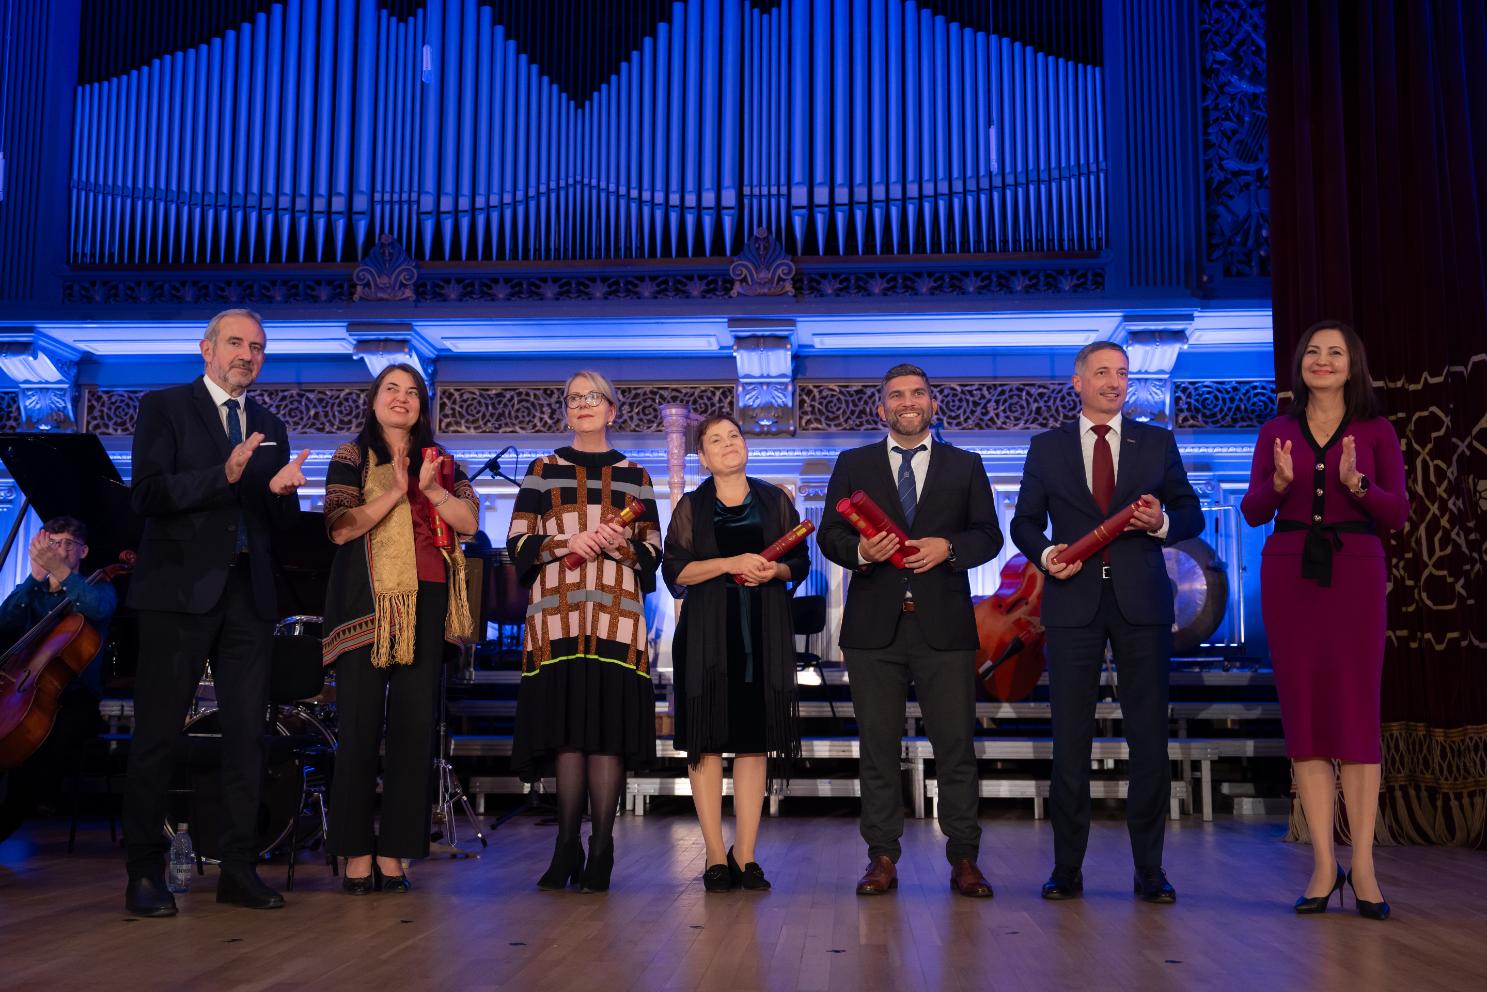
<point>1378,138</point>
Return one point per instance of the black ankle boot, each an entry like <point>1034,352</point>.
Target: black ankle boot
<point>566,866</point>
<point>600,864</point>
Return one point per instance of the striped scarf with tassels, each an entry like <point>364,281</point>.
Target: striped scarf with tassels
<point>393,565</point>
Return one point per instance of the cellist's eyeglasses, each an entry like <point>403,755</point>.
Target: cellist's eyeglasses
<point>63,543</point>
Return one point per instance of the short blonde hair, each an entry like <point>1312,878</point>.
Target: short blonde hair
<point>601,383</point>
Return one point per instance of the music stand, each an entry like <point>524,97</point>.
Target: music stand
<point>71,475</point>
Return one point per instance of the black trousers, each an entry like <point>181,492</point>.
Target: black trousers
<point>173,648</point>
<point>405,698</point>
<point>1143,654</point>
<point>945,684</point>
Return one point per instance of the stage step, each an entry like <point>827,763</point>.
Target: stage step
<point>1037,791</point>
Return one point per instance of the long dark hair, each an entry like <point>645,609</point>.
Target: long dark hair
<point>420,435</point>
<point>1358,397</point>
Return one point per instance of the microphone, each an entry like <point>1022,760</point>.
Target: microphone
<point>493,466</point>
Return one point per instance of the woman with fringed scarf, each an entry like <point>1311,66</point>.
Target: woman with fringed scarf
<point>394,598</point>
<point>734,651</point>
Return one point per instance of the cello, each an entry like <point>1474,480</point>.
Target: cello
<point>35,670</point>
<point>1009,661</point>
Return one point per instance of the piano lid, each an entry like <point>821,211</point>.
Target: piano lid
<point>71,475</point>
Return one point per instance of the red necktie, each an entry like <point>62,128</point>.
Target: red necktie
<point>1103,483</point>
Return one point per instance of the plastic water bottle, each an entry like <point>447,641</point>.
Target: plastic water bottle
<point>182,861</point>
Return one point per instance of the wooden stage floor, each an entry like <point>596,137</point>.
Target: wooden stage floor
<point>482,924</point>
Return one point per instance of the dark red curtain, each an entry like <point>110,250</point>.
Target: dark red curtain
<point>1378,145</point>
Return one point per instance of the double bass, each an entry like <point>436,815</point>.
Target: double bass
<point>1009,661</point>
<point>35,670</point>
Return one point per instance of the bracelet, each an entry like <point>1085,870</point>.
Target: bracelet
<point>445,499</point>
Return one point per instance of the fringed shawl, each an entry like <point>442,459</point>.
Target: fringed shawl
<point>371,598</point>
<point>701,641</point>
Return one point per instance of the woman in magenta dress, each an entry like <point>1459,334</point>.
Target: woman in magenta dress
<point>1330,473</point>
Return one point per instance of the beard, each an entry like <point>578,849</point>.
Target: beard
<point>916,422</point>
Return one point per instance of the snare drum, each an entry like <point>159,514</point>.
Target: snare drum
<point>299,670</point>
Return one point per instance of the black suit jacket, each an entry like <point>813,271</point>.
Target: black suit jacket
<point>1054,486</point>
<point>956,504</point>
<point>191,512</point>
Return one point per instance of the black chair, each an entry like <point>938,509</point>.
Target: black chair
<point>808,614</point>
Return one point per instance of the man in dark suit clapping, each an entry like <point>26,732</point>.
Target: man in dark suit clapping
<point>211,478</point>
<point>915,622</point>
<point>1078,475</point>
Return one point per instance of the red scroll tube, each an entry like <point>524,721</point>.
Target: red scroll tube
<point>632,511</point>
<point>783,546</point>
<point>870,520</point>
<point>1096,539</point>
<point>443,535</point>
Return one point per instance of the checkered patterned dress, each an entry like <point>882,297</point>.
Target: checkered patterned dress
<point>586,677</point>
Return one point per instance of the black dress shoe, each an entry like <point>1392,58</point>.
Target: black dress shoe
<point>1307,905</point>
<point>239,885</point>
<point>1367,910</point>
<point>1152,886</point>
<point>718,878</point>
<point>148,896</point>
<point>750,877</point>
<point>1064,883</point>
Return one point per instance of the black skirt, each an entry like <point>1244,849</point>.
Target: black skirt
<point>583,704</point>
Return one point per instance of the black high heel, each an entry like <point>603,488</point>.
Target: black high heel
<point>359,886</point>
<point>1318,904</point>
<point>596,872</point>
<point>566,866</point>
<point>1368,910</point>
<point>390,883</point>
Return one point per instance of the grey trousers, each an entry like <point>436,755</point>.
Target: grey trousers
<point>944,682</point>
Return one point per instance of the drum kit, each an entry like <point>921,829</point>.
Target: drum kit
<point>300,760</point>
<point>302,727</point>
<point>300,749</point>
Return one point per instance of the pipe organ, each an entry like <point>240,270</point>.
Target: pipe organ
<point>844,127</point>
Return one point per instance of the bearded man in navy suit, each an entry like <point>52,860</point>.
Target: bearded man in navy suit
<point>1076,476</point>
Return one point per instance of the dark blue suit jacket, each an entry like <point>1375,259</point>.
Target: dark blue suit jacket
<point>1054,487</point>
<point>191,512</point>
<point>957,504</point>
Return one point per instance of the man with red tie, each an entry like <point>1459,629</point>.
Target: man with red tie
<point>1076,476</point>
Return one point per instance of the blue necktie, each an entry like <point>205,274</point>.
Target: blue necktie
<point>235,438</point>
<point>908,496</point>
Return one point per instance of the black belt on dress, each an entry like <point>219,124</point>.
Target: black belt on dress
<point>1322,540</point>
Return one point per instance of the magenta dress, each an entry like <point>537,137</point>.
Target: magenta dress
<point>1323,578</point>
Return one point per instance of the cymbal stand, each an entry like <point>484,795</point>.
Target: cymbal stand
<point>445,833</point>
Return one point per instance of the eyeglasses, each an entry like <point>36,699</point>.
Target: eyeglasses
<point>63,544</point>
<point>593,398</point>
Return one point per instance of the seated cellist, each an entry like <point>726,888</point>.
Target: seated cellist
<point>56,553</point>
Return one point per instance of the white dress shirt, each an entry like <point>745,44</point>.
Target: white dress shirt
<point>919,465</point>
<point>220,397</point>
<point>1087,438</point>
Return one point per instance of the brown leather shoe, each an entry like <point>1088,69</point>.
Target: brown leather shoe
<point>966,879</point>
<point>881,877</point>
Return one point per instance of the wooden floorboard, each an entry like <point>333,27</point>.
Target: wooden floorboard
<point>481,923</point>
